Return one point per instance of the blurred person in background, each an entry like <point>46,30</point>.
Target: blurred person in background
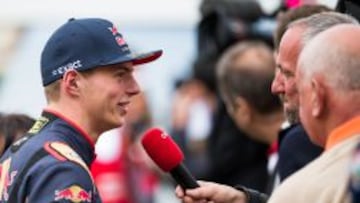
<point>122,171</point>
<point>350,7</point>
<point>245,72</point>
<point>234,158</point>
<point>298,35</point>
<point>192,110</point>
<point>87,74</point>
<point>141,173</point>
<point>13,127</point>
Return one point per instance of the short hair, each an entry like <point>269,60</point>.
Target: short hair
<point>317,23</point>
<point>342,65</point>
<point>52,91</point>
<point>251,81</point>
<point>346,78</point>
<point>293,15</point>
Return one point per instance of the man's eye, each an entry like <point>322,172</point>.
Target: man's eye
<point>287,74</point>
<point>120,74</point>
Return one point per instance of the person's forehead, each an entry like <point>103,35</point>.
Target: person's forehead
<point>126,65</point>
<point>291,41</point>
<point>290,47</point>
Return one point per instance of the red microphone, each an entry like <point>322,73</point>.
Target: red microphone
<point>168,156</point>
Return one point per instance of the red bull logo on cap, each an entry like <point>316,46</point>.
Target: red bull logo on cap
<point>113,30</point>
<point>118,38</point>
<point>73,193</point>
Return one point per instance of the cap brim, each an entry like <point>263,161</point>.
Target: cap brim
<point>147,57</point>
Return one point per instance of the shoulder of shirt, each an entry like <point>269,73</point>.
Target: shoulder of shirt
<point>63,152</point>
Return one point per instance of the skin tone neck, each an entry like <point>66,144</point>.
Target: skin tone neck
<point>334,113</point>
<point>252,122</point>
<point>341,116</point>
<point>73,111</point>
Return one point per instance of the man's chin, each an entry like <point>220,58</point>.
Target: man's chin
<point>287,106</point>
<point>120,123</point>
<point>117,123</point>
<point>292,115</point>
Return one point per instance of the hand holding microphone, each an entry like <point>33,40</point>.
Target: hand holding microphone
<point>168,156</point>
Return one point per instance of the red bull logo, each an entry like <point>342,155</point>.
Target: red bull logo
<point>118,38</point>
<point>113,30</point>
<point>73,193</point>
<point>120,41</point>
<point>6,179</point>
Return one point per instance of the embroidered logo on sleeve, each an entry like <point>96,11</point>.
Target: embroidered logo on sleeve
<point>39,124</point>
<point>6,179</point>
<point>74,193</point>
<point>63,152</point>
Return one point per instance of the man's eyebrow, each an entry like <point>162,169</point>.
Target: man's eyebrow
<point>124,68</point>
<point>278,66</point>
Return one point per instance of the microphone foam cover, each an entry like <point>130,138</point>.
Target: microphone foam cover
<point>162,149</point>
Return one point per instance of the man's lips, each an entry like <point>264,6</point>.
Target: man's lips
<point>124,106</point>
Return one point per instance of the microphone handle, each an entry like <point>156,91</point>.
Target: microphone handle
<point>183,177</point>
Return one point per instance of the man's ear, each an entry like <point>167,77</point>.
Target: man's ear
<point>317,98</point>
<point>243,110</point>
<point>71,82</point>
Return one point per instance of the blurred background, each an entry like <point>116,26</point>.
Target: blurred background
<point>179,94</point>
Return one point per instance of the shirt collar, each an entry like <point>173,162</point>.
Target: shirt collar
<point>74,125</point>
<point>343,132</point>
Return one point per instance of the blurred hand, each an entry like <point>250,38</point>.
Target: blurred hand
<point>210,192</point>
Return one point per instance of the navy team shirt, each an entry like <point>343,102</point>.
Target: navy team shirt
<point>50,164</point>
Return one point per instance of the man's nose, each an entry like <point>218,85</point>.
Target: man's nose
<point>277,85</point>
<point>133,87</point>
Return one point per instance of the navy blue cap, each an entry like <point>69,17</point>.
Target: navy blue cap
<point>83,44</point>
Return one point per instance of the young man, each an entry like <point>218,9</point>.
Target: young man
<point>87,73</point>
